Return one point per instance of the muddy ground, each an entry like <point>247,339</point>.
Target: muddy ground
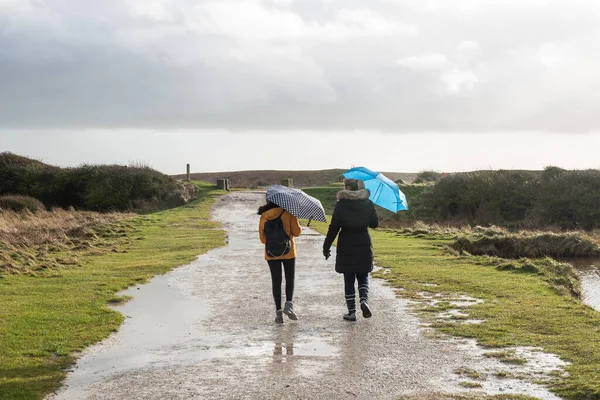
<point>206,331</point>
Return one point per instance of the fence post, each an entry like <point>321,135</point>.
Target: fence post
<point>287,182</point>
<point>188,171</point>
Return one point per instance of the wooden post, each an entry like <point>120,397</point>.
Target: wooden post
<point>223,184</point>
<point>188,171</point>
<point>287,182</point>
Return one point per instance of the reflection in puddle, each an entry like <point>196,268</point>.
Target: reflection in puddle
<point>279,349</point>
<point>305,347</point>
<point>316,347</point>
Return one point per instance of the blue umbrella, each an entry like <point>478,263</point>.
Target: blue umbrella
<point>384,192</point>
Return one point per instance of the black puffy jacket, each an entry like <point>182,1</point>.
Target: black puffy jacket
<point>353,215</point>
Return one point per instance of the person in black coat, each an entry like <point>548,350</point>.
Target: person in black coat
<point>353,215</point>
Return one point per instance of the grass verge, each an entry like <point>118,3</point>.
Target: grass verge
<point>46,319</point>
<point>521,307</point>
<point>40,243</point>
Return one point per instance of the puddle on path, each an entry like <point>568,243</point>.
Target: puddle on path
<point>162,316</point>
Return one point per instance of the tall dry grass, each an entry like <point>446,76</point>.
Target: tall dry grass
<point>513,244</point>
<point>31,242</point>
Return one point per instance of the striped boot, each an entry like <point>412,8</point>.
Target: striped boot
<point>351,303</point>
<point>363,292</point>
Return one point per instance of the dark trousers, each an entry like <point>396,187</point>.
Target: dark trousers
<point>289,267</point>
<point>350,290</point>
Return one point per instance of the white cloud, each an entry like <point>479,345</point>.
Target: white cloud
<point>479,5</point>
<point>454,78</point>
<point>552,55</point>
<point>156,10</point>
<point>457,81</point>
<point>424,62</point>
<point>467,45</point>
<point>282,3</point>
<point>249,20</point>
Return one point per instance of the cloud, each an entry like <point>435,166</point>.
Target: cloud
<point>248,20</point>
<point>397,66</point>
<point>467,45</point>
<point>424,62</point>
<point>454,79</point>
<point>457,80</point>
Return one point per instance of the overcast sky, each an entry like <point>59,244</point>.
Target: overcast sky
<point>435,84</point>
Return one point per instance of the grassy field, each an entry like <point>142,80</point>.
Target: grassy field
<point>521,306</point>
<point>45,318</point>
<point>38,243</point>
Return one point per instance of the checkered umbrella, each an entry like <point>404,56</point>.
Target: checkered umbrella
<point>296,202</point>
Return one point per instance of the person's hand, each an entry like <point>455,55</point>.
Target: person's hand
<point>326,253</point>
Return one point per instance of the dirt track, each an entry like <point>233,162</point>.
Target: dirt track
<point>206,330</point>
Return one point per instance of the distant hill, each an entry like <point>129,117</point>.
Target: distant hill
<point>269,177</point>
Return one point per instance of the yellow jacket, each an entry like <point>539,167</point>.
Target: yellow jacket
<point>290,226</point>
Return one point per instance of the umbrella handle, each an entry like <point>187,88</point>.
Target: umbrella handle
<point>307,225</point>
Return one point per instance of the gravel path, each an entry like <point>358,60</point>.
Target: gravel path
<point>206,330</point>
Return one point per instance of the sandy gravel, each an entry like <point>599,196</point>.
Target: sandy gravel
<point>206,331</point>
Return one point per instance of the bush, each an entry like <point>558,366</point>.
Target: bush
<point>555,198</point>
<point>428,176</point>
<point>90,187</point>
<point>569,199</point>
<point>20,203</point>
<point>486,197</point>
<point>552,198</point>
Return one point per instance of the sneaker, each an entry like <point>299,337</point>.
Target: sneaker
<point>289,310</point>
<point>350,316</point>
<point>279,316</point>
<point>365,309</point>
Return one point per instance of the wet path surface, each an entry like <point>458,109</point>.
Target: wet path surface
<point>206,330</point>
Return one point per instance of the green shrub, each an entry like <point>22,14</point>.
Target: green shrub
<point>90,187</point>
<point>485,197</point>
<point>428,176</point>
<point>568,199</point>
<point>554,198</point>
<point>20,203</point>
